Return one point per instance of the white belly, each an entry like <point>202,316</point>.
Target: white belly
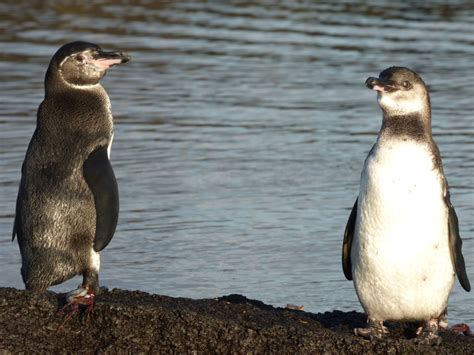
<point>400,253</point>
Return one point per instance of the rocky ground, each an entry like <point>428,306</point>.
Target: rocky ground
<point>132,322</point>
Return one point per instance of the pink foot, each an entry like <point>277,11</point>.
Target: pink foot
<point>81,296</point>
<point>428,333</point>
<point>374,330</point>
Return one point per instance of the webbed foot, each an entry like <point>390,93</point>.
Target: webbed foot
<point>374,330</point>
<point>84,296</point>
<point>428,333</point>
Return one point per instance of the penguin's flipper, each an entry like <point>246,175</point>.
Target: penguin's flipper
<point>455,245</point>
<point>100,177</point>
<point>347,244</point>
<point>16,222</point>
<point>14,229</point>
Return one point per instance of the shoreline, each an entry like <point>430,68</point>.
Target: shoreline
<point>135,321</point>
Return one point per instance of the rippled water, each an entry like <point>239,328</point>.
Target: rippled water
<point>241,130</point>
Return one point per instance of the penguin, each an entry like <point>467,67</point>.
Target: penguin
<point>68,204</point>
<point>402,247</point>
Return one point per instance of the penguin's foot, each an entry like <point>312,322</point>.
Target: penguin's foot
<point>374,330</point>
<point>443,322</point>
<point>428,333</point>
<point>84,296</point>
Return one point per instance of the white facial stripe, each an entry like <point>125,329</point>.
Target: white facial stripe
<point>86,54</point>
<point>402,106</point>
<point>65,59</point>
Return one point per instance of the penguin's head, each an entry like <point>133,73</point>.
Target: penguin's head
<point>81,64</point>
<point>400,92</point>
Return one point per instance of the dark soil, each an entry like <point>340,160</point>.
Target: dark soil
<point>133,321</point>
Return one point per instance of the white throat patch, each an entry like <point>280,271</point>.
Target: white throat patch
<point>403,106</point>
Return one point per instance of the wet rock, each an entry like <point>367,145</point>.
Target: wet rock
<point>133,321</point>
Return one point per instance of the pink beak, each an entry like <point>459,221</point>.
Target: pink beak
<point>105,60</point>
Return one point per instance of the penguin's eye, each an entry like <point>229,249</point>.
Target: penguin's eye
<point>80,58</point>
<point>406,84</point>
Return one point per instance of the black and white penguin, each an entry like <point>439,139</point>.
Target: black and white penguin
<point>401,244</point>
<point>67,206</point>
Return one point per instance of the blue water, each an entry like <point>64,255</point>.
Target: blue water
<point>241,130</point>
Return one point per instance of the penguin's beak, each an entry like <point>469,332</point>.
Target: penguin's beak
<point>105,60</point>
<point>380,85</point>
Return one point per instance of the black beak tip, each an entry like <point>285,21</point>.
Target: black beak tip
<point>371,82</point>
<point>125,57</point>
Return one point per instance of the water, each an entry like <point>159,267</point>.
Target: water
<point>241,130</point>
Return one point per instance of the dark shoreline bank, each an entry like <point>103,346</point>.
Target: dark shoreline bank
<point>133,321</point>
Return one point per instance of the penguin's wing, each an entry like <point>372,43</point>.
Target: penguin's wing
<point>347,244</point>
<point>100,177</point>
<point>16,222</point>
<point>455,243</point>
<point>15,228</point>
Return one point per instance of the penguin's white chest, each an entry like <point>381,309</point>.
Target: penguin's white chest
<point>400,252</point>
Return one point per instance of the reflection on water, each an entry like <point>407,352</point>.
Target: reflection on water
<point>241,130</point>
